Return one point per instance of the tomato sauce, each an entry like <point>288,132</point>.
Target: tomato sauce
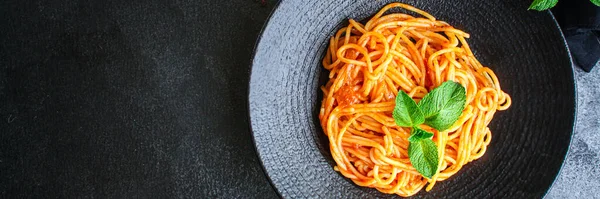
<point>346,96</point>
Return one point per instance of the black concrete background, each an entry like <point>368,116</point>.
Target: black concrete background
<point>133,99</point>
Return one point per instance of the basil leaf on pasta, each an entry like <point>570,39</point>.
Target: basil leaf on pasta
<point>406,112</point>
<point>443,105</point>
<point>418,134</point>
<point>423,156</point>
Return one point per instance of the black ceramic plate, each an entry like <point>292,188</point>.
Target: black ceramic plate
<point>524,48</point>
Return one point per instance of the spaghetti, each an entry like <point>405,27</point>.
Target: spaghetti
<point>369,64</point>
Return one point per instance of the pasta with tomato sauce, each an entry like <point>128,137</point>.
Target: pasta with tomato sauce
<point>369,64</point>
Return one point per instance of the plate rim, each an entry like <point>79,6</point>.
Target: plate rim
<point>575,103</point>
<point>248,105</point>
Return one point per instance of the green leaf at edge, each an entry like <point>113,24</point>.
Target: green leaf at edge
<point>443,105</point>
<point>596,2</point>
<point>541,5</point>
<point>406,112</point>
<point>418,134</point>
<point>423,156</point>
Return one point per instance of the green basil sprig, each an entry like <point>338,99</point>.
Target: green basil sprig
<point>439,109</point>
<point>541,5</point>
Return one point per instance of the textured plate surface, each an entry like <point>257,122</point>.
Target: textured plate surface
<point>524,48</point>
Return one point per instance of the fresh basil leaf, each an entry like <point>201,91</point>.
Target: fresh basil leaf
<point>407,113</point>
<point>596,2</point>
<point>418,134</point>
<point>423,156</point>
<point>443,105</point>
<point>541,5</point>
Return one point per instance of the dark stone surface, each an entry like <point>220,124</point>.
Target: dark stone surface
<point>579,177</point>
<point>133,99</point>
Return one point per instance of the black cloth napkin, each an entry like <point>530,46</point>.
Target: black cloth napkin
<point>580,23</point>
